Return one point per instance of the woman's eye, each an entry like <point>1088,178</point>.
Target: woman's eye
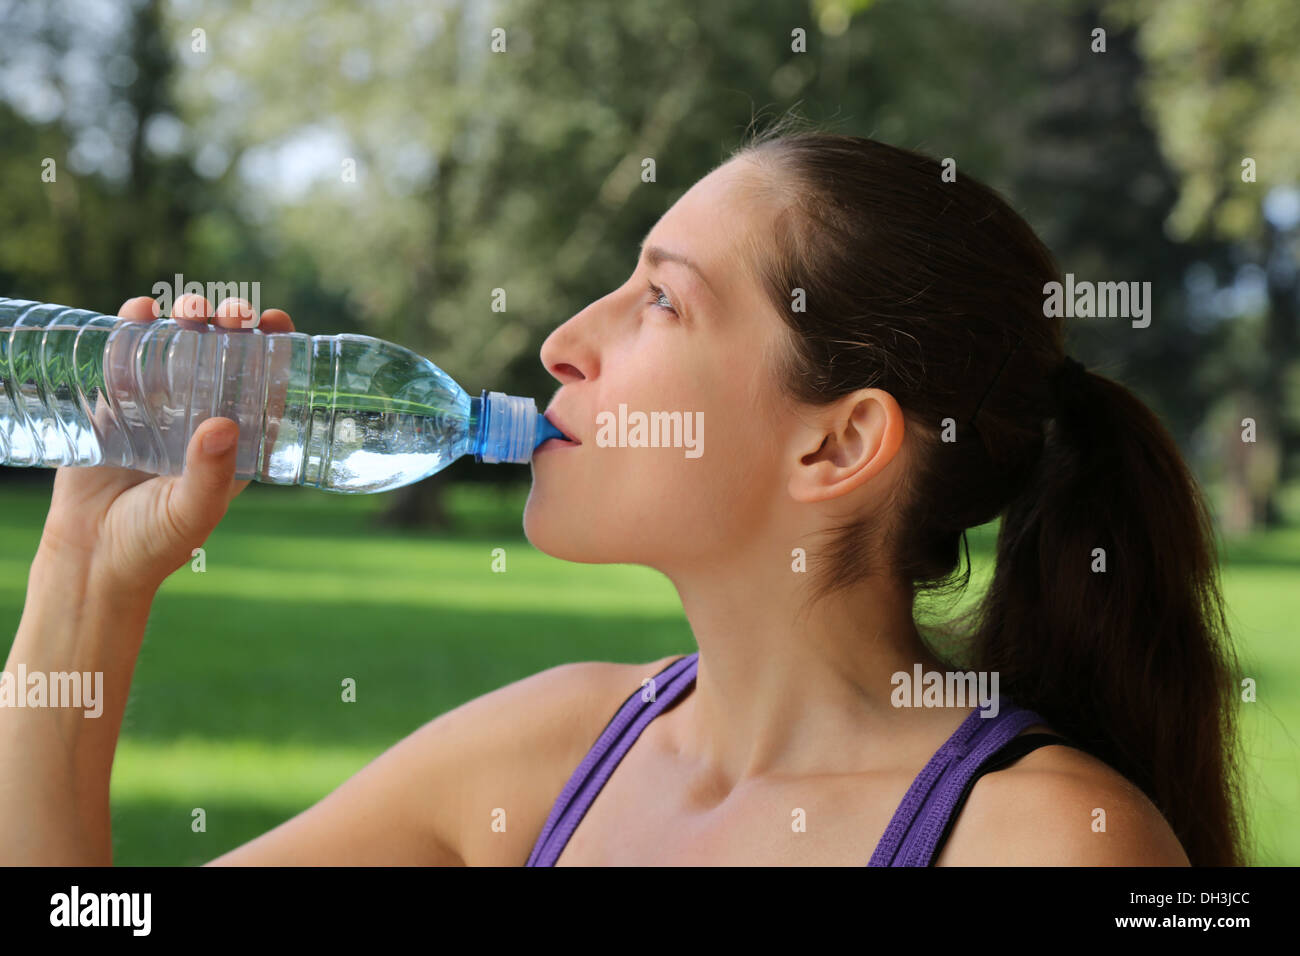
<point>660,300</point>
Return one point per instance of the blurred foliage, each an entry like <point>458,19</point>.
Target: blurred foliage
<point>381,167</point>
<point>1222,85</point>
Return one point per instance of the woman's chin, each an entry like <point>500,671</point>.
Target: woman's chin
<point>548,533</point>
<point>563,538</point>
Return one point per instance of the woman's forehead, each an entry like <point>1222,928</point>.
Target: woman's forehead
<point>714,225</point>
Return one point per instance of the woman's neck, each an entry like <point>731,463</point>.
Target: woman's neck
<point>780,692</point>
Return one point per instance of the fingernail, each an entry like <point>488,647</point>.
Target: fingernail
<point>218,442</point>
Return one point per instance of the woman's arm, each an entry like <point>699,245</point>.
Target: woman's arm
<point>57,760</point>
<point>111,538</point>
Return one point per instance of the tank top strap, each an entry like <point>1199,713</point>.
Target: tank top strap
<point>924,814</point>
<point>643,706</point>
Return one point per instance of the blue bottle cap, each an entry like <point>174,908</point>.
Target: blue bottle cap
<point>546,430</point>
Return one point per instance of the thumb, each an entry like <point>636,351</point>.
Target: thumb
<point>199,499</point>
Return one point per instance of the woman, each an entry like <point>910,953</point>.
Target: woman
<point>867,345</point>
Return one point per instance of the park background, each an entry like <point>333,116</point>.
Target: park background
<point>377,167</point>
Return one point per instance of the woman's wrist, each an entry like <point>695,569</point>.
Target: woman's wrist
<point>77,574</point>
<point>76,621</point>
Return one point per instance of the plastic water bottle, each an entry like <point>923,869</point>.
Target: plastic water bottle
<point>345,413</point>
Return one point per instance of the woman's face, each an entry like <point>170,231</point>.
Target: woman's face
<point>672,508</point>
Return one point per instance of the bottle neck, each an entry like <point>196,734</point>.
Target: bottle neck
<point>504,427</point>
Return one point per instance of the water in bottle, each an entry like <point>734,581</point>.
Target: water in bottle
<point>344,413</point>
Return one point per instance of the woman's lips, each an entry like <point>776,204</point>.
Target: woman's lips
<point>568,440</point>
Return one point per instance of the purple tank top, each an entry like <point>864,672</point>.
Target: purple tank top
<point>909,840</point>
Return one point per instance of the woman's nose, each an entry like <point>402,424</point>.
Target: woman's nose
<point>571,352</point>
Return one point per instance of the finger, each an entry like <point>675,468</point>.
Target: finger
<point>236,314</point>
<point>197,501</point>
<point>192,307</point>
<point>276,320</point>
<point>140,309</point>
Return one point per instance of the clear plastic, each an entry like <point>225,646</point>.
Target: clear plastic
<point>344,413</point>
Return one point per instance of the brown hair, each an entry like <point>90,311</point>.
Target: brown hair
<point>934,292</point>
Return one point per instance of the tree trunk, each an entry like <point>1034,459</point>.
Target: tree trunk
<point>420,505</point>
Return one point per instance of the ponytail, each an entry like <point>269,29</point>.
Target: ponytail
<point>1105,616</point>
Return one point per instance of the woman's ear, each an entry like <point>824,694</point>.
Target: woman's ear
<point>845,444</point>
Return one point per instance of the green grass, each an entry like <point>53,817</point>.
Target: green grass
<point>236,704</point>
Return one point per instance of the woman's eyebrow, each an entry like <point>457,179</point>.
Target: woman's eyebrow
<point>656,255</point>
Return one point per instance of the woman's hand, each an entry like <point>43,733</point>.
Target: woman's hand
<point>128,530</point>
<point>111,537</point>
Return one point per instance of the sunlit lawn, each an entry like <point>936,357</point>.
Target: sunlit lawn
<point>237,707</point>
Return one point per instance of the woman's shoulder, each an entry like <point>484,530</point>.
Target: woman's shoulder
<point>1060,806</point>
<point>517,746</point>
<point>555,714</point>
<point>593,690</point>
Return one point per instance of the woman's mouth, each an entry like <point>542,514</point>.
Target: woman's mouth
<point>566,441</point>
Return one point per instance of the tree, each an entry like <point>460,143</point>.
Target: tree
<point>1223,90</point>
